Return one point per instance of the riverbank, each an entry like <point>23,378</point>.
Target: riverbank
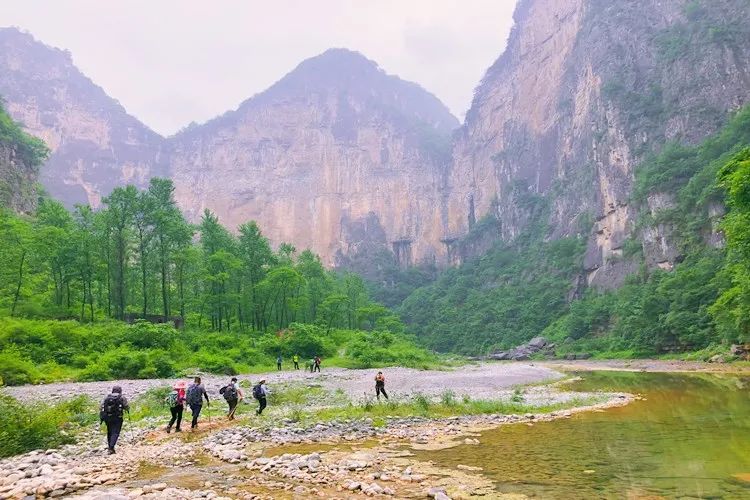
<point>647,365</point>
<point>290,453</point>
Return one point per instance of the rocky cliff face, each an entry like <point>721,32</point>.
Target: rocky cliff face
<point>337,157</point>
<point>95,144</point>
<point>17,181</point>
<point>585,89</point>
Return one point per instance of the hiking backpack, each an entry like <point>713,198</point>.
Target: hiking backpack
<point>172,398</point>
<point>111,408</point>
<point>257,392</point>
<point>194,395</point>
<point>229,392</point>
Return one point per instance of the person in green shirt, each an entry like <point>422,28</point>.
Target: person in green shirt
<point>295,360</point>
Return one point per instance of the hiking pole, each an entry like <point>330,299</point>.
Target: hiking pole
<point>130,428</point>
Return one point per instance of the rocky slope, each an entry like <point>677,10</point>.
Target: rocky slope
<point>95,144</point>
<point>584,90</point>
<point>20,157</point>
<point>337,156</point>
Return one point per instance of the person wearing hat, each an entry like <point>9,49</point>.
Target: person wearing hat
<point>111,412</point>
<point>176,402</point>
<point>260,392</point>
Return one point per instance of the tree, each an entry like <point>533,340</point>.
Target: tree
<point>119,214</point>
<point>257,257</point>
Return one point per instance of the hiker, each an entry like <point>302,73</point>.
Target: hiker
<point>278,362</point>
<point>316,365</point>
<point>260,392</point>
<point>295,360</point>
<point>232,395</point>
<point>311,365</point>
<point>380,385</point>
<point>176,402</point>
<point>195,394</point>
<point>111,413</point>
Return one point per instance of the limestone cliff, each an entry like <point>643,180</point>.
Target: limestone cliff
<point>337,156</point>
<point>584,90</point>
<point>95,144</point>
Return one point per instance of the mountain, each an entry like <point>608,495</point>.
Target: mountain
<point>96,145</point>
<point>584,92</point>
<point>337,156</point>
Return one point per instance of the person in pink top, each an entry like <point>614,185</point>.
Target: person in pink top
<point>176,402</point>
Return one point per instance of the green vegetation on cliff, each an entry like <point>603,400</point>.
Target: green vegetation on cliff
<point>523,289</point>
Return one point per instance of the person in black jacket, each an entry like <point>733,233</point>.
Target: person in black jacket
<point>111,413</point>
<point>195,394</point>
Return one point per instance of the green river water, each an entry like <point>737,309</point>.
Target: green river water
<point>690,438</point>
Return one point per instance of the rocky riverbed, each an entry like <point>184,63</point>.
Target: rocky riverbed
<point>276,457</point>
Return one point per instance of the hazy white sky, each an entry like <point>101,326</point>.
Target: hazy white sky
<point>170,62</point>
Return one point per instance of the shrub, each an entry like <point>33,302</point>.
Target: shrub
<point>25,427</point>
<point>15,369</point>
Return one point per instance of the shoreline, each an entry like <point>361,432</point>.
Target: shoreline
<point>647,365</point>
<point>334,459</point>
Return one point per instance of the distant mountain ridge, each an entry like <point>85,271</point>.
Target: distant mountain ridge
<point>336,156</point>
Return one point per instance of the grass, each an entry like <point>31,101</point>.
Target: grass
<point>25,427</point>
<point>447,406</point>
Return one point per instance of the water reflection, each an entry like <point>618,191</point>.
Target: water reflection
<point>690,438</point>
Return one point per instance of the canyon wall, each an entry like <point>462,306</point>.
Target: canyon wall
<point>95,145</point>
<point>584,91</point>
<point>337,156</point>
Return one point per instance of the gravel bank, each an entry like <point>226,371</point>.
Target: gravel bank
<point>480,381</point>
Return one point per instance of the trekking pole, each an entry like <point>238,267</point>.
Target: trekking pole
<point>130,428</point>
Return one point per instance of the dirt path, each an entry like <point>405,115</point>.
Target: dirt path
<point>477,380</point>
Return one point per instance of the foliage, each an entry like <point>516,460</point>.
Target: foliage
<point>47,350</point>
<point>31,150</point>
<point>499,300</point>
<point>25,427</point>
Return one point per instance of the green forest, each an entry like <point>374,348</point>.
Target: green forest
<point>76,286</point>
<point>523,288</point>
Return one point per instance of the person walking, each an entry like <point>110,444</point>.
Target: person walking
<point>176,402</point>
<point>278,362</point>
<point>380,386</point>
<point>232,395</point>
<point>295,360</point>
<point>316,364</point>
<point>260,392</point>
<point>311,365</point>
<point>194,396</point>
<point>111,413</point>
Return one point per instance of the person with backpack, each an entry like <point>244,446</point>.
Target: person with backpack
<point>176,402</point>
<point>232,395</point>
<point>260,391</point>
<point>111,413</point>
<point>195,394</point>
<point>311,365</point>
<point>316,365</point>
<point>380,385</point>
<point>295,360</point>
<point>278,362</point>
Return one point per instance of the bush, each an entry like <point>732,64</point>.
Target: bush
<point>16,369</point>
<point>25,427</point>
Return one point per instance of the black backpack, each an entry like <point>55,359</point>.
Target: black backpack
<point>229,392</point>
<point>257,392</point>
<point>111,408</point>
<point>194,395</point>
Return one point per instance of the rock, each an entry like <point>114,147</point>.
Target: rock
<point>433,492</point>
<point>717,358</point>
<point>353,486</point>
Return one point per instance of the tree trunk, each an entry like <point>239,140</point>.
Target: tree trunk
<point>20,282</point>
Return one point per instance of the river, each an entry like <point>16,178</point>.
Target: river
<point>688,438</point>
